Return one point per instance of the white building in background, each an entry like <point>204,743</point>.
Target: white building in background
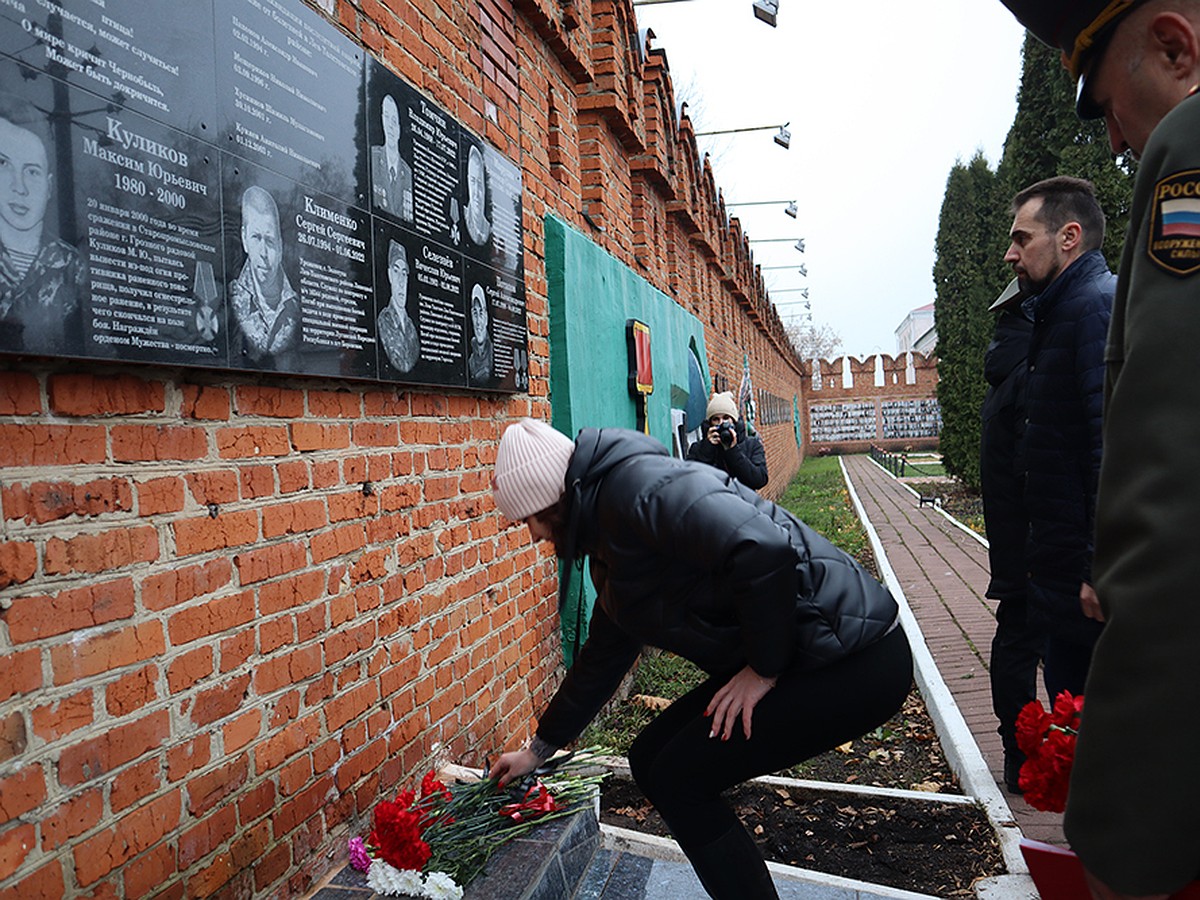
<point>917,332</point>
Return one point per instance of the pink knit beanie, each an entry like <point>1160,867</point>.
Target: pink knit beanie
<point>531,468</point>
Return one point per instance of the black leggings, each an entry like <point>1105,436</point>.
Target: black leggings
<point>683,771</point>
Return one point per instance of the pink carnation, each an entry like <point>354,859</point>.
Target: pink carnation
<point>359,858</point>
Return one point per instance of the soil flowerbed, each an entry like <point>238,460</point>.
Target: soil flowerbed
<point>918,845</point>
<point>938,848</point>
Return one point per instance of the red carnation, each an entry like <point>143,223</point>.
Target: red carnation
<point>1045,782</point>
<point>397,834</point>
<point>1032,723</point>
<point>1066,710</point>
<point>430,785</point>
<point>1048,741</point>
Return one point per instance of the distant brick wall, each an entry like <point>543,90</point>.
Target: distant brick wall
<point>901,413</point>
<point>238,610</point>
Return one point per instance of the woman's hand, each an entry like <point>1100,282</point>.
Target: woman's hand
<point>514,764</point>
<point>737,699</point>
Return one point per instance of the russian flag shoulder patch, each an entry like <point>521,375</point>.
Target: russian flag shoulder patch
<point>1174,242</point>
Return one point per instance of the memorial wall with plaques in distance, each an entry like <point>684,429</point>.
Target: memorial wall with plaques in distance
<point>235,184</point>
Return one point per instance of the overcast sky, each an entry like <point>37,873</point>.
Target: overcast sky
<point>883,97</point>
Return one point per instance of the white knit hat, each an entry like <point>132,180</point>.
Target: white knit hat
<point>531,468</point>
<point>722,404</point>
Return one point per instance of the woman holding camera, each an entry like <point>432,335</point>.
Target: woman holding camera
<point>802,646</point>
<point>727,446</point>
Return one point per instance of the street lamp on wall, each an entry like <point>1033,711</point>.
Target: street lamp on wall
<point>766,10</point>
<point>791,209</point>
<point>783,137</point>
<point>799,245</point>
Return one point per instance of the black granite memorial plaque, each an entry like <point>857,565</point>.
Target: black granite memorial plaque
<point>436,287</point>
<point>152,57</point>
<point>109,227</point>
<point>233,184</point>
<point>289,91</point>
<point>436,169</point>
<point>299,277</point>
<point>504,204</point>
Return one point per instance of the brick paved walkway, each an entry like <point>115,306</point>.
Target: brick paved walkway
<point>943,571</point>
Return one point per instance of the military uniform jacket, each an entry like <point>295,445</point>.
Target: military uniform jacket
<point>687,559</point>
<point>1135,785</point>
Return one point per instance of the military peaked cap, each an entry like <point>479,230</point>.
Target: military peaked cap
<point>1079,28</point>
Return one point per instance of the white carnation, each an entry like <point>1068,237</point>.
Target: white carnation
<point>387,879</point>
<point>440,886</point>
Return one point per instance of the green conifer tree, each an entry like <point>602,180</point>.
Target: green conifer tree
<point>964,281</point>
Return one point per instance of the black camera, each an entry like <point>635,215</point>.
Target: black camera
<point>725,434</point>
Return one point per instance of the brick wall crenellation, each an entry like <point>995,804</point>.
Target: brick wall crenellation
<point>918,388</point>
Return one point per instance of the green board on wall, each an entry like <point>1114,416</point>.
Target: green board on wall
<point>592,296</point>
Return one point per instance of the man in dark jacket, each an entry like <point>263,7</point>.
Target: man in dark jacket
<point>1057,230</point>
<point>1017,646</point>
<point>801,644</point>
<point>727,446</point>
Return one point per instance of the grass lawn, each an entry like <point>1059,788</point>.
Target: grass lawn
<point>924,467</point>
<point>818,497</point>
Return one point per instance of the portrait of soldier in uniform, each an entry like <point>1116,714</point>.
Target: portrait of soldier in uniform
<point>41,277</point>
<point>479,228</point>
<point>265,305</point>
<point>397,332</point>
<point>391,176</point>
<point>479,362</point>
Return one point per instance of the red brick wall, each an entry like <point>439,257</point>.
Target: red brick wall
<point>236,610</point>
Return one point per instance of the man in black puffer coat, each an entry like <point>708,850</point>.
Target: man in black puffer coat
<point>1057,230</point>
<point>1017,645</point>
<point>802,645</point>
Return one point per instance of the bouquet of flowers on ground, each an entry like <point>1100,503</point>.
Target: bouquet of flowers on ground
<point>1048,741</point>
<point>433,843</point>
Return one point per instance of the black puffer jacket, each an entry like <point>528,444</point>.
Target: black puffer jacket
<point>746,460</point>
<point>685,558</point>
<point>1064,402</point>
<point>1001,472</point>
